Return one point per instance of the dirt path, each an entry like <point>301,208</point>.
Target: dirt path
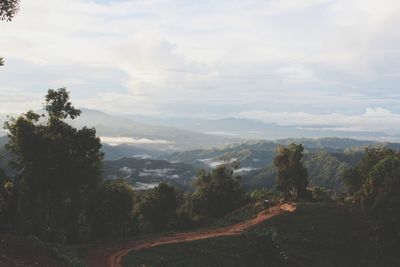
<point>112,257</point>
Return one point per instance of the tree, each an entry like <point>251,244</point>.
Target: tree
<point>110,209</point>
<point>382,201</point>
<point>157,208</point>
<point>216,193</point>
<point>6,197</point>
<point>8,9</point>
<point>352,179</point>
<point>292,176</point>
<point>355,177</point>
<point>374,184</point>
<point>58,167</point>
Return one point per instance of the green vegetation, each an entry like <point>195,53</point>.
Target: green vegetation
<point>149,171</point>
<point>292,176</point>
<point>325,170</point>
<point>156,209</point>
<point>374,185</point>
<point>58,194</point>
<point>216,193</point>
<point>57,167</point>
<point>110,209</point>
<point>317,234</point>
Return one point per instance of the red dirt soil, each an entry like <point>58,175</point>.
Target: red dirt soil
<point>112,256</point>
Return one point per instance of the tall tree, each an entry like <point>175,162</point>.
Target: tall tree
<point>292,176</point>
<point>58,166</point>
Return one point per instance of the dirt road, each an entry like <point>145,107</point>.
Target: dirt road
<point>111,257</point>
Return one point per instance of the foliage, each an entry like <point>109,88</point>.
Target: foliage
<point>8,9</point>
<point>261,194</point>
<point>156,209</point>
<point>58,166</point>
<point>320,194</point>
<point>317,234</point>
<point>110,209</point>
<point>6,199</point>
<point>216,193</point>
<point>292,176</point>
<point>375,184</point>
<point>325,170</point>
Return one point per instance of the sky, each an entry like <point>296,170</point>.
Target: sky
<point>331,63</point>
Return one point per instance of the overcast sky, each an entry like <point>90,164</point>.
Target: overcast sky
<point>304,62</point>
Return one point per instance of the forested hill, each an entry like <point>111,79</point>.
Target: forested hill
<point>325,159</point>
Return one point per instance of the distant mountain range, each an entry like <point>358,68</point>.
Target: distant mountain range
<point>176,134</point>
<point>118,130</point>
<point>146,154</point>
<point>256,129</point>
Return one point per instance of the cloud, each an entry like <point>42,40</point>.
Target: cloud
<point>130,140</point>
<point>186,58</point>
<point>373,119</point>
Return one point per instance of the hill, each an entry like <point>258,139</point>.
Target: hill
<point>142,135</point>
<point>256,129</point>
<point>317,234</point>
<point>147,173</point>
<point>325,159</point>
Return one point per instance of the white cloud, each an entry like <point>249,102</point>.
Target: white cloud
<point>131,140</point>
<point>373,119</point>
<point>302,57</point>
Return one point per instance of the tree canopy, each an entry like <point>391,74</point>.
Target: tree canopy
<point>374,184</point>
<point>58,166</point>
<point>292,176</point>
<point>110,209</point>
<point>217,192</point>
<point>156,209</point>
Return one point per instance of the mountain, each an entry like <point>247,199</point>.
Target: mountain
<point>147,173</point>
<point>251,154</point>
<point>128,151</point>
<point>118,130</point>
<point>325,159</point>
<point>256,129</point>
<point>331,143</point>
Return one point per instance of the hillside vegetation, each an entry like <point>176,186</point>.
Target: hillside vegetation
<point>317,234</point>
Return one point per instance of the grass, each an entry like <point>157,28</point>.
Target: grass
<point>212,252</point>
<point>317,234</point>
<point>239,215</point>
